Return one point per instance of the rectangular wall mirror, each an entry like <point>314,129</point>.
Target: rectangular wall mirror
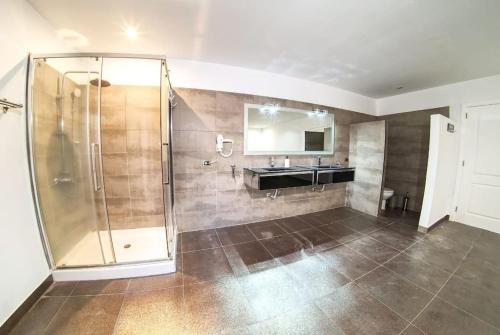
<point>274,130</point>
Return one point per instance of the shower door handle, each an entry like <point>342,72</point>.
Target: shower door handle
<point>93,158</point>
<point>166,163</point>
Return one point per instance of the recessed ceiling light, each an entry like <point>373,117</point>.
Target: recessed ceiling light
<point>132,33</point>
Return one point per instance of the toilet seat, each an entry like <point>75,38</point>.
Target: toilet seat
<point>388,192</point>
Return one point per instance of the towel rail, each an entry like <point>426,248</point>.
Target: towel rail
<point>6,104</point>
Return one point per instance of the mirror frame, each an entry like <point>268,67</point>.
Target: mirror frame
<point>246,152</point>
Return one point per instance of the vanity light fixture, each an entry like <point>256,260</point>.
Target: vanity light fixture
<point>269,108</point>
<point>318,112</point>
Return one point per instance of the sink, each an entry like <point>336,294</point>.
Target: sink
<point>277,169</point>
<point>327,166</point>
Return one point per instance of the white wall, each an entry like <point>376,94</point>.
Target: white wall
<point>478,90</point>
<point>22,261</point>
<point>210,76</point>
<point>441,172</point>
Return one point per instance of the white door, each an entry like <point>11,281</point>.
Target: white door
<point>479,204</point>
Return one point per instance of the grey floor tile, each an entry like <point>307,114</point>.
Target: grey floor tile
<point>315,220</point>
<point>426,276</point>
<point>407,230</point>
<point>315,240</point>
<point>244,330</point>
<point>155,282</point>
<point>315,276</point>
<point>87,315</point>
<point>486,253</point>
<point>38,318</point>
<point>488,244</point>
<point>412,330</point>
<point>94,287</point>
<point>398,214</point>
<point>286,248</point>
<point>306,320</point>
<point>199,240</point>
<point>400,295</point>
<point>61,289</point>
<point>481,302</point>
<point>205,265</point>
<point>373,249</point>
<point>215,306</point>
<point>447,245</point>
<point>445,260</point>
<point>293,224</point>
<point>364,224</point>
<point>356,312</point>
<point>235,234</point>
<point>444,319</point>
<point>452,236</point>
<point>154,312</point>
<point>266,229</point>
<point>296,280</point>
<point>249,257</point>
<point>339,232</point>
<point>393,239</point>
<point>348,262</point>
<point>480,272</point>
<point>272,292</point>
<point>338,214</point>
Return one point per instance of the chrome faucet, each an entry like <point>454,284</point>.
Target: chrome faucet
<point>272,163</point>
<point>319,160</point>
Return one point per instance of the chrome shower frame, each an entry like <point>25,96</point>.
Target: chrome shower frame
<point>127,269</point>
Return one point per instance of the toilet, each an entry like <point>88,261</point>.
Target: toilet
<point>386,195</point>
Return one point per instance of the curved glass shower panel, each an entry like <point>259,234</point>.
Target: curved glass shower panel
<point>131,137</point>
<point>65,169</point>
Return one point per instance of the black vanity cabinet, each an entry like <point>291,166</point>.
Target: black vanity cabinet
<point>260,179</point>
<point>276,178</point>
<point>334,176</point>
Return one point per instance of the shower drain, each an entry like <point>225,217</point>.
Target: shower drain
<point>128,245</point>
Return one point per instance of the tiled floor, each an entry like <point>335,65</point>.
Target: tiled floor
<point>334,272</point>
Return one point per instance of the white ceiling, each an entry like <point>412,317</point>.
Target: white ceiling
<point>370,47</point>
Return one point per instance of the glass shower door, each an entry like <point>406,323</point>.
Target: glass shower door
<point>167,172</point>
<point>66,160</point>
<point>131,134</point>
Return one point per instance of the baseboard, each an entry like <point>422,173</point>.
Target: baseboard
<point>425,230</point>
<point>14,319</point>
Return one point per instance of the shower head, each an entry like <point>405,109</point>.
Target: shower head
<point>104,83</point>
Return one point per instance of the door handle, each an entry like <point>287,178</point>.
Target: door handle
<point>165,162</point>
<point>93,158</point>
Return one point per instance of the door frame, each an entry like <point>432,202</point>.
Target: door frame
<point>458,201</point>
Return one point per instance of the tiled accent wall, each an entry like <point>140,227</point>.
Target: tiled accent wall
<point>407,154</point>
<point>367,154</point>
<point>209,196</point>
<point>131,147</point>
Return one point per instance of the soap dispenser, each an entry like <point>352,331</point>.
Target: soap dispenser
<point>287,162</point>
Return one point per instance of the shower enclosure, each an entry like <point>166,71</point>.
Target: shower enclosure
<point>99,137</point>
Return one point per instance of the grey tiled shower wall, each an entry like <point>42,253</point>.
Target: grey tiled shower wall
<point>407,154</point>
<point>208,196</point>
<point>367,153</point>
